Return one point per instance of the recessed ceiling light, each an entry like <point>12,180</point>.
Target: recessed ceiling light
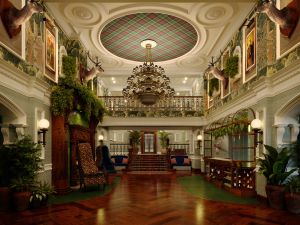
<point>177,93</point>
<point>184,81</point>
<point>185,78</point>
<point>112,78</point>
<point>114,81</point>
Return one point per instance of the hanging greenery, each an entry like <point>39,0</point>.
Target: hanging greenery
<point>70,94</point>
<point>213,86</point>
<point>231,66</point>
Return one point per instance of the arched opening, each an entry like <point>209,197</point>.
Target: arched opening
<point>12,121</point>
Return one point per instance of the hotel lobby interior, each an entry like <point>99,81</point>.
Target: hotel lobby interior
<point>149,112</point>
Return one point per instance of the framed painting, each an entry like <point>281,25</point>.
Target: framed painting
<point>250,49</point>
<point>249,53</point>
<point>50,50</point>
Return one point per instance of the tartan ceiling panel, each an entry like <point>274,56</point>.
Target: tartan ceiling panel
<point>123,36</point>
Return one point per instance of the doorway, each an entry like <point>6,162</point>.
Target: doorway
<point>149,143</point>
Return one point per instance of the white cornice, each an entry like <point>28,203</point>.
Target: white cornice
<point>22,83</point>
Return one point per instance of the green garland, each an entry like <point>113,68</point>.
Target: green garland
<point>70,95</point>
<point>231,66</point>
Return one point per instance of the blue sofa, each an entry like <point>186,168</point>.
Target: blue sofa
<point>120,161</point>
<point>180,162</point>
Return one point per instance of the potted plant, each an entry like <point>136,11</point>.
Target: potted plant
<point>5,195</point>
<point>40,195</point>
<point>24,165</point>
<point>164,141</point>
<point>135,139</point>
<point>21,193</point>
<point>273,167</point>
<point>292,196</point>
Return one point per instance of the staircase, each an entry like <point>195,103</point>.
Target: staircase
<point>149,163</point>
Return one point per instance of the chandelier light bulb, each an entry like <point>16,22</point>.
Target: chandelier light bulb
<point>148,83</point>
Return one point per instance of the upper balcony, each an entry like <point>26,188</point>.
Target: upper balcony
<point>178,106</point>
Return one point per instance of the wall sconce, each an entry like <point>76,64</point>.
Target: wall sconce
<point>43,126</point>
<point>199,140</point>
<point>100,139</point>
<point>256,125</point>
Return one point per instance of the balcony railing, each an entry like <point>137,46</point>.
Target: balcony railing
<point>188,106</point>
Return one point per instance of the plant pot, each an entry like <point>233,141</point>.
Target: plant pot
<point>292,202</point>
<point>21,200</point>
<point>163,151</point>
<point>275,194</point>
<point>35,203</point>
<point>5,198</point>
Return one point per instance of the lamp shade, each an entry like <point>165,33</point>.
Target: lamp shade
<point>100,137</point>
<point>43,124</point>
<point>199,137</point>
<point>256,124</point>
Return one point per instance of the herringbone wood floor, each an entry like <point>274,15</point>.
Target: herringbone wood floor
<point>150,200</point>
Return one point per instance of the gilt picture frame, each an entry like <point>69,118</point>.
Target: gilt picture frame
<point>250,49</point>
<point>50,46</point>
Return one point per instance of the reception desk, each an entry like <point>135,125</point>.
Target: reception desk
<point>237,177</point>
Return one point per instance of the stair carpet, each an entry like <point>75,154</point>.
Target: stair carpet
<point>148,163</point>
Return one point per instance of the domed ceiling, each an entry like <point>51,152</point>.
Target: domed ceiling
<point>123,36</point>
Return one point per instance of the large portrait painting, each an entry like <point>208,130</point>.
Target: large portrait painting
<point>50,51</point>
<point>16,43</point>
<point>287,44</point>
<point>250,51</point>
<point>35,42</point>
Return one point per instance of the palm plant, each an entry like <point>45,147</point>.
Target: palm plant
<point>163,138</point>
<point>135,137</point>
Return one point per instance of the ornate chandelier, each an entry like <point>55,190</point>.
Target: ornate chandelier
<point>148,83</point>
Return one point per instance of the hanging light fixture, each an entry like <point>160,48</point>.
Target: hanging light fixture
<point>148,83</point>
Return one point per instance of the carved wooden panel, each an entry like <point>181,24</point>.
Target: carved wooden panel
<point>78,134</point>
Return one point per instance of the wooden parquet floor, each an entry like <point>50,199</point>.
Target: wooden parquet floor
<point>150,200</point>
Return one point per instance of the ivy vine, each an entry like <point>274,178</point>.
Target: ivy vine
<point>231,66</point>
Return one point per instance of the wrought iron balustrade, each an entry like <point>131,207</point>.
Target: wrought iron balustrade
<point>178,106</point>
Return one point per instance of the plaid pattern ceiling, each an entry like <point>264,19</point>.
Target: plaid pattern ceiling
<point>123,36</point>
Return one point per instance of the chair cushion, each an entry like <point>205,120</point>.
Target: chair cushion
<point>186,161</point>
<point>173,161</point>
<point>125,161</point>
<point>113,160</point>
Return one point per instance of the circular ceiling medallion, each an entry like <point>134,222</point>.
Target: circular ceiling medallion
<point>123,36</point>
<point>215,13</point>
<point>82,14</point>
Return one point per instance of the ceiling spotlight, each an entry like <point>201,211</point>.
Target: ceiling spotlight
<point>184,81</point>
<point>185,78</point>
<point>112,78</point>
<point>114,81</point>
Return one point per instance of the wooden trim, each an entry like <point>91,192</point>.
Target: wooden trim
<point>154,144</point>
